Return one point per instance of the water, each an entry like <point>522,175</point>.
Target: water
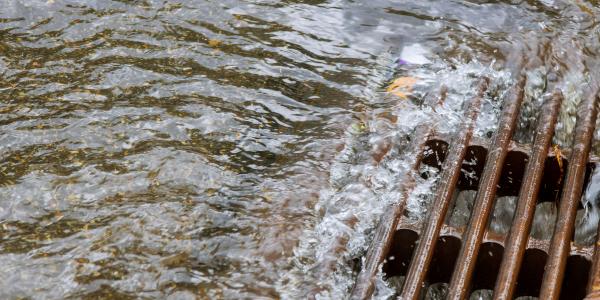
<point>217,149</point>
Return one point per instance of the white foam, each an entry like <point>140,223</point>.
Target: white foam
<point>415,54</point>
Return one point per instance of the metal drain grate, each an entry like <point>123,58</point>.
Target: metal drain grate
<point>473,257</point>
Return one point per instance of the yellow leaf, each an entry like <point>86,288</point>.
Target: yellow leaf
<point>402,86</point>
<point>400,94</point>
<point>558,155</point>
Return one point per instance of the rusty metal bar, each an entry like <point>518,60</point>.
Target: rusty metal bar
<point>523,218</point>
<point>484,202</point>
<point>450,174</point>
<point>565,224</point>
<point>384,233</point>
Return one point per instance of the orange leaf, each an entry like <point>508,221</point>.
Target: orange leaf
<point>402,86</point>
<point>400,94</point>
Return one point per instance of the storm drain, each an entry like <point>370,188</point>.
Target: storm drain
<point>473,252</point>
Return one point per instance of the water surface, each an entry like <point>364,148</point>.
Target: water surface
<point>213,149</point>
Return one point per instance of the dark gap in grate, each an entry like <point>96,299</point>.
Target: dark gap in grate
<point>512,174</point>
<point>553,180</point>
<point>435,153</point>
<point>472,168</point>
<point>576,278</point>
<point>444,259</point>
<point>532,271</point>
<point>487,266</point>
<point>400,253</point>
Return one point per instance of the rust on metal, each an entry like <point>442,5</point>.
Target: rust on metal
<point>460,283</point>
<point>488,261</point>
<point>523,218</point>
<point>510,255</point>
<point>449,178</point>
<point>384,233</point>
<point>565,224</point>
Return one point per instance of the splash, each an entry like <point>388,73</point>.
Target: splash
<point>364,182</point>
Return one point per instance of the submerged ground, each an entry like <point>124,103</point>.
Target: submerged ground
<point>212,149</point>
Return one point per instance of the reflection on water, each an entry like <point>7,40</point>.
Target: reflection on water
<point>211,149</point>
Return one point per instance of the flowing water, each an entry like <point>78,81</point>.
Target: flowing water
<point>222,149</point>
